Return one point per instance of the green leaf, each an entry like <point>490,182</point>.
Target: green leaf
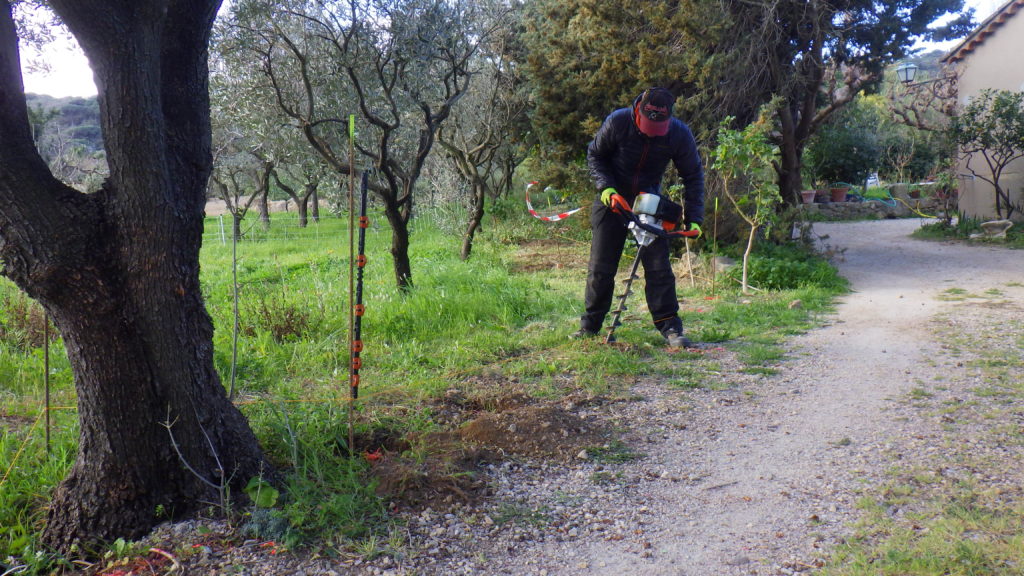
<point>263,495</point>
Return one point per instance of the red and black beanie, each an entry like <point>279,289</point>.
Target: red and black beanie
<point>653,111</point>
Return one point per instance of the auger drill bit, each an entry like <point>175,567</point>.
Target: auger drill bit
<point>622,299</point>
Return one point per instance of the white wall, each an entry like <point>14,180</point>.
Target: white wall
<point>996,63</point>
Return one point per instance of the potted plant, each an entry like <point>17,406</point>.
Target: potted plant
<point>838,191</point>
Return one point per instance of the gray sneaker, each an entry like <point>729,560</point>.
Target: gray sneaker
<point>677,340</point>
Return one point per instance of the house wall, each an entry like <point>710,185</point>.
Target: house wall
<point>995,63</point>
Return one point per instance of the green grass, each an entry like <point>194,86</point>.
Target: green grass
<point>492,318</point>
<point>522,514</point>
<point>28,476</point>
<point>614,452</point>
<point>965,532</point>
<point>956,514</point>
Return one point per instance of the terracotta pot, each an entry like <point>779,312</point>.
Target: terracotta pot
<point>839,194</point>
<point>808,196</point>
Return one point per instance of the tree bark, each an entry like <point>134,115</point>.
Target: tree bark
<point>118,271</point>
<point>308,193</point>
<point>264,208</point>
<point>476,216</point>
<point>790,154</point>
<point>264,193</point>
<point>399,244</point>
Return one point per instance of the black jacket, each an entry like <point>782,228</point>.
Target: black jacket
<point>622,157</point>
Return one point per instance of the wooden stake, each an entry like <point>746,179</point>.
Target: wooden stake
<point>351,276</point>
<point>46,376</point>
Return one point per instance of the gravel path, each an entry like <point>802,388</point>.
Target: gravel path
<point>761,477</point>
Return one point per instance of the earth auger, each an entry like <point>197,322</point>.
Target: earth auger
<point>651,217</point>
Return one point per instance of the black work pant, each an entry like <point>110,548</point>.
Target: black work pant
<point>609,235</point>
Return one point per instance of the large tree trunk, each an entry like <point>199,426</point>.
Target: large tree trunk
<point>476,216</point>
<point>118,271</point>
<point>264,208</point>
<point>398,221</point>
<point>141,351</point>
<point>789,167</point>
<point>301,202</point>
<point>309,194</point>
<point>264,193</point>
<point>790,170</point>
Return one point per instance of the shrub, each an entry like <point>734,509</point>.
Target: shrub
<point>843,154</point>
<point>284,320</point>
<point>778,267</point>
<point>23,324</point>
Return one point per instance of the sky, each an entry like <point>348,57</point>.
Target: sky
<point>982,10</point>
<point>69,73</point>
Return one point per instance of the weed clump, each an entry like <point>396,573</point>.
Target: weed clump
<point>23,324</point>
<point>283,320</point>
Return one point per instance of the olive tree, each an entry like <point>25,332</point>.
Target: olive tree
<point>743,160</point>
<point>399,65</point>
<point>480,136</point>
<point>990,130</point>
<point>118,272</point>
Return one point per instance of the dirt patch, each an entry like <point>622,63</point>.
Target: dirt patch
<point>493,421</point>
<point>380,441</point>
<point>537,431</point>
<point>443,470</point>
<point>487,392</point>
<point>475,394</point>
<point>15,421</point>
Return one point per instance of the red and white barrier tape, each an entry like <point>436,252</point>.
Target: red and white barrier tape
<point>554,218</point>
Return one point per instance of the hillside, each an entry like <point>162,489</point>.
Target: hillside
<point>73,121</point>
